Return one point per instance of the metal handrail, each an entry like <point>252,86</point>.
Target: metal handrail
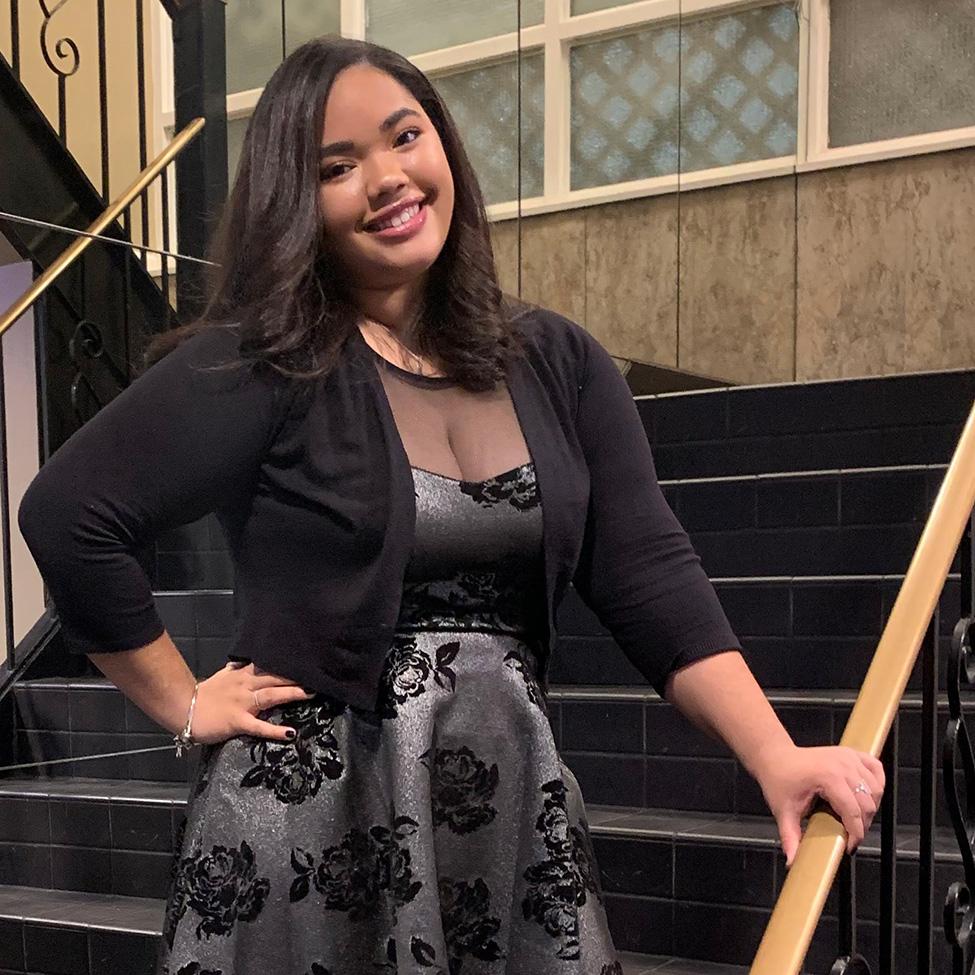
<point>808,882</point>
<point>123,201</point>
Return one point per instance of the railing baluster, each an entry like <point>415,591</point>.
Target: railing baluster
<point>888,855</point>
<point>8,581</point>
<point>848,961</point>
<point>103,96</point>
<point>15,36</point>
<point>929,758</point>
<point>140,65</point>
<point>164,186</point>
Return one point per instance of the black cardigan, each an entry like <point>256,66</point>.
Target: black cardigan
<point>317,504</point>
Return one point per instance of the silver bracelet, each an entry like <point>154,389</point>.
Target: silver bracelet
<point>184,739</point>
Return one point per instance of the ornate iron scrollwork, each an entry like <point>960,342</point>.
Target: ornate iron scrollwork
<point>850,965</point>
<point>65,49</point>
<point>957,755</point>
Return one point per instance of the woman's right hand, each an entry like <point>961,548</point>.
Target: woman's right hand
<point>227,704</point>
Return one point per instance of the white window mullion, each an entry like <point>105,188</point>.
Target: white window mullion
<point>557,97</point>
<point>813,81</point>
<point>352,19</point>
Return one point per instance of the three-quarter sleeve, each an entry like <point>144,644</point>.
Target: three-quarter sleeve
<point>179,442</point>
<point>638,570</point>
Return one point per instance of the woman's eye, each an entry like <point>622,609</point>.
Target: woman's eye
<point>333,171</point>
<point>407,132</point>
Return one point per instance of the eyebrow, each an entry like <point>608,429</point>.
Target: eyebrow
<point>337,148</point>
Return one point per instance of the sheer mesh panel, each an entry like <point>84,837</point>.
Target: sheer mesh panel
<point>451,431</point>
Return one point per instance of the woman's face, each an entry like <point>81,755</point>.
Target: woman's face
<point>389,154</point>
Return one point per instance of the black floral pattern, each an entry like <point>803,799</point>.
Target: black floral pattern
<point>559,884</point>
<point>517,661</point>
<point>518,487</point>
<point>468,927</point>
<point>222,887</point>
<point>294,771</point>
<point>407,670</point>
<point>461,788</point>
<point>193,968</point>
<point>362,870</point>
<point>613,968</point>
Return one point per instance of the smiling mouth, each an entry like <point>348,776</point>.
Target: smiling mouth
<point>399,219</point>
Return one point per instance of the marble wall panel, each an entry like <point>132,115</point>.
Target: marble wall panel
<point>737,281</point>
<point>886,251</point>
<point>870,274</point>
<point>553,262</point>
<point>631,278</point>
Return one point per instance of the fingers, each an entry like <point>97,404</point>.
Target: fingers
<point>265,729</point>
<point>839,794</point>
<point>790,832</point>
<point>272,697</point>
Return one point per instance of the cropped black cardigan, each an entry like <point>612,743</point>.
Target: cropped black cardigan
<point>317,504</point>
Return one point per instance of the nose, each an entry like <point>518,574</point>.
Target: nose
<point>386,177</point>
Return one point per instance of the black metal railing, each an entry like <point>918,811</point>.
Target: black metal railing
<point>946,748</point>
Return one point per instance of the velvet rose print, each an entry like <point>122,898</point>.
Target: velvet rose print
<point>405,675</point>
<point>558,885</point>
<point>516,661</point>
<point>517,487</point>
<point>294,771</point>
<point>408,668</point>
<point>222,887</point>
<point>361,870</point>
<point>468,927</point>
<point>461,788</point>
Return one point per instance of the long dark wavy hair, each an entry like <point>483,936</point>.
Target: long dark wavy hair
<point>274,281</point>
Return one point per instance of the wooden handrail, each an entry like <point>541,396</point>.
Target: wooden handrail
<point>64,260</point>
<point>808,882</point>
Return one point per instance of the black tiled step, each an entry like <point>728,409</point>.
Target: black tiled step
<point>803,632</point>
<point>98,835</point>
<point>70,933</point>
<point>92,934</point>
<point>876,422</point>
<point>629,747</point>
<point>704,888</point>
<point>816,523</point>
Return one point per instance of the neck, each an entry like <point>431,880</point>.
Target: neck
<point>395,308</point>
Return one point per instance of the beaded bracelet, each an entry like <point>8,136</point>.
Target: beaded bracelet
<point>184,739</point>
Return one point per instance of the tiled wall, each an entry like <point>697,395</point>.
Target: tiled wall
<point>854,271</point>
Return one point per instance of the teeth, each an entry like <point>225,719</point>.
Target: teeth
<point>404,216</point>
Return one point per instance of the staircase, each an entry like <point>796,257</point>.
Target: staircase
<point>805,503</point>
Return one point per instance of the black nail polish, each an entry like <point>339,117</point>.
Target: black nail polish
<point>291,733</point>
<point>309,690</point>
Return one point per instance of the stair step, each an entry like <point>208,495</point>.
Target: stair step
<point>37,918</point>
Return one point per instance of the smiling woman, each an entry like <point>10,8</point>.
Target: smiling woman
<point>436,829</point>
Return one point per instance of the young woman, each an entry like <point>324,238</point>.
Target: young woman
<point>410,470</point>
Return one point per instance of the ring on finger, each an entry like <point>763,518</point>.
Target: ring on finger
<point>257,703</point>
<point>862,786</point>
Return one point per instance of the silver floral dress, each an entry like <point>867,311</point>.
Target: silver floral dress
<point>440,834</point>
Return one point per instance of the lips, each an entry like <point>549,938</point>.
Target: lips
<point>392,211</point>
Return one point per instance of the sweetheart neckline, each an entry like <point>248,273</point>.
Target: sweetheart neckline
<point>461,480</point>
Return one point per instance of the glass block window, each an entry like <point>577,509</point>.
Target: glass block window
<point>257,38</point>
<point>484,104</point>
<point>713,91</point>
<point>900,67</point>
<point>414,26</point>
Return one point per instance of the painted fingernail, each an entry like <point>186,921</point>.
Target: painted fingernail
<point>291,733</point>
<point>309,690</point>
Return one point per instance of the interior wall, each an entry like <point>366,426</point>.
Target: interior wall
<point>855,271</point>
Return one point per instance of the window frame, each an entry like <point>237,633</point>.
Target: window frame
<point>555,37</point>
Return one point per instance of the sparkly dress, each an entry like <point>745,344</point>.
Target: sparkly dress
<point>440,833</point>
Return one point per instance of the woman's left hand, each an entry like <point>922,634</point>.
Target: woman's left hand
<point>851,782</point>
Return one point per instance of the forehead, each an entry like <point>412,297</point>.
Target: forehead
<point>361,97</point>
